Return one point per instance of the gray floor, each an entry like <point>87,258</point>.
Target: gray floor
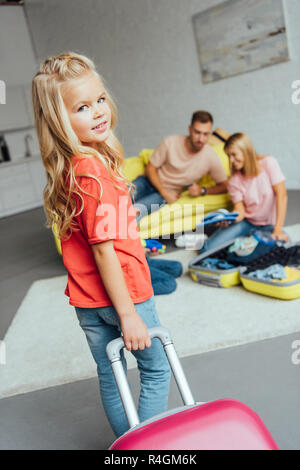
<point>71,416</point>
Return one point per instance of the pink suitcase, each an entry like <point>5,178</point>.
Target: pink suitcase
<point>219,425</point>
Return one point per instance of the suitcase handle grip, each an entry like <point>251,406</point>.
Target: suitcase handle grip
<point>113,349</point>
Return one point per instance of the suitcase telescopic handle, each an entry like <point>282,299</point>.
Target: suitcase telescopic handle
<point>113,352</point>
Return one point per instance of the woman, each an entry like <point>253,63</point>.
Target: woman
<point>258,192</point>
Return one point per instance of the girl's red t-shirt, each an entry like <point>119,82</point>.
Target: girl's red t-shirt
<point>113,218</point>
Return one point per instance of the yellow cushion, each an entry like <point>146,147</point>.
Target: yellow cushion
<point>133,167</point>
<point>56,239</point>
<point>145,155</point>
<point>182,215</point>
<point>171,218</point>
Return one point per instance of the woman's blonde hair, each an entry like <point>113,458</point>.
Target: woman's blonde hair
<point>58,142</point>
<point>244,143</point>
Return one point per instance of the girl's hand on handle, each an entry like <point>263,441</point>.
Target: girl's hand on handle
<point>135,332</point>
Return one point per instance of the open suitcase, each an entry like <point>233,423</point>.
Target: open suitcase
<point>284,254</point>
<point>214,276</point>
<point>219,425</point>
<point>285,289</point>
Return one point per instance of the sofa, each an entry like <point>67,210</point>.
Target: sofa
<point>185,213</point>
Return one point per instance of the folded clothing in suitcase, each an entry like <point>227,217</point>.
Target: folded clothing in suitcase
<point>220,425</point>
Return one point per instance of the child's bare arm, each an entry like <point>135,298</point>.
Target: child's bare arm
<point>133,328</point>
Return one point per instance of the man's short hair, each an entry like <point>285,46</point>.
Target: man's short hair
<point>202,116</point>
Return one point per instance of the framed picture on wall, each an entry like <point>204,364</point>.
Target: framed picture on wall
<point>239,36</point>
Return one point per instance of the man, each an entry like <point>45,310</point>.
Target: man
<point>177,163</point>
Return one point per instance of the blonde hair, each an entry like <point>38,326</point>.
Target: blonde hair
<point>58,142</point>
<point>244,143</point>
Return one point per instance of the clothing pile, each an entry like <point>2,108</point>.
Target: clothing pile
<point>239,253</point>
<point>213,269</point>
<point>163,274</point>
<point>276,274</point>
<point>283,255</point>
<point>258,257</point>
<point>276,271</point>
<point>272,265</point>
<point>215,263</point>
<point>245,250</point>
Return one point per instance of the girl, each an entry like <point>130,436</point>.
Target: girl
<point>88,198</point>
<point>257,190</point>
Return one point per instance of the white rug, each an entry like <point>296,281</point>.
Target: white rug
<point>45,345</point>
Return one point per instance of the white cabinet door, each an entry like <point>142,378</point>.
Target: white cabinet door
<point>17,68</point>
<point>16,188</point>
<point>38,176</point>
<point>14,114</point>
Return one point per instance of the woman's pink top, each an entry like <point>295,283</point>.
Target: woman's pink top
<point>257,192</point>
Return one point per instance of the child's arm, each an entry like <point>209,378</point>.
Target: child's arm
<point>134,330</point>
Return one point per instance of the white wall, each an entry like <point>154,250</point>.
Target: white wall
<point>146,51</point>
<point>16,55</point>
<point>17,66</point>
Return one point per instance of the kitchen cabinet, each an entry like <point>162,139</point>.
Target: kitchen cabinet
<point>21,185</point>
<point>17,68</point>
<point>14,114</point>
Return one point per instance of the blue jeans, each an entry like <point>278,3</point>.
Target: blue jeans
<point>101,325</point>
<point>163,272</point>
<point>145,197</point>
<point>241,229</point>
